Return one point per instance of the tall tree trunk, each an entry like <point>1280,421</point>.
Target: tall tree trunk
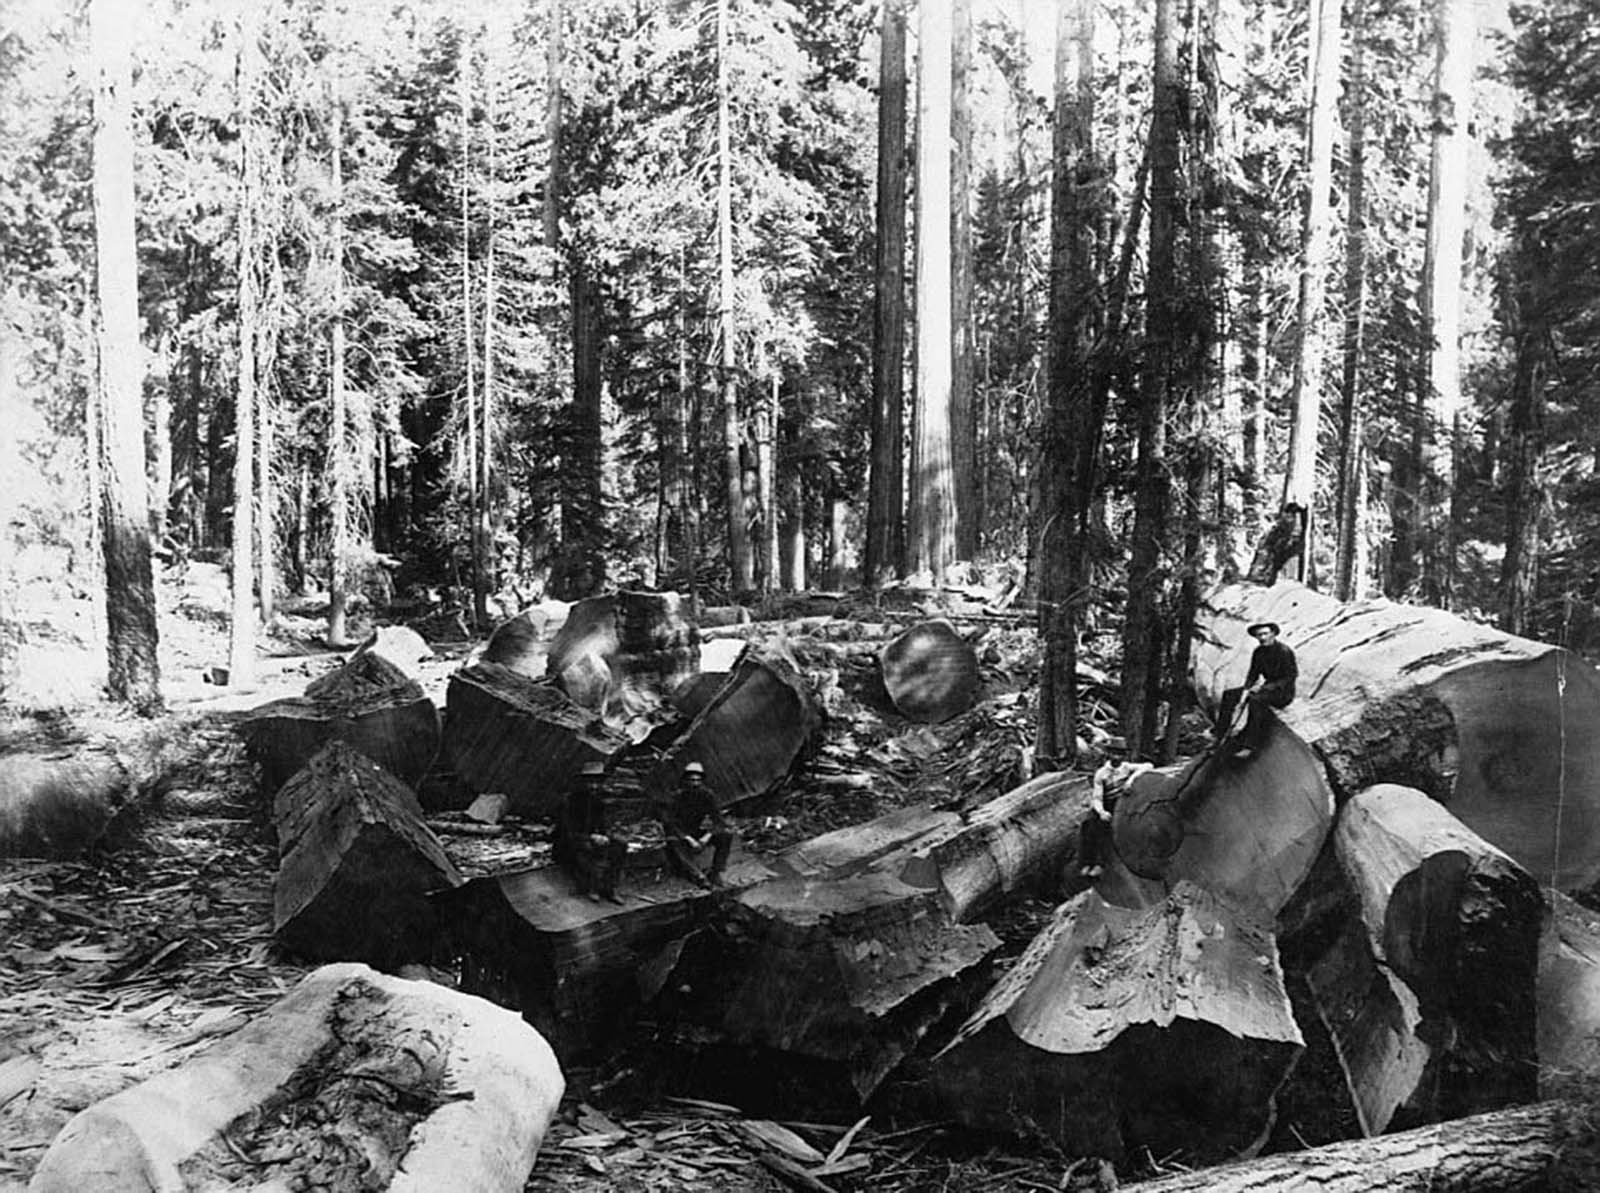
<point>792,570</point>
<point>133,670</point>
<point>740,567</point>
<point>1524,498</point>
<point>673,555</point>
<point>161,435</point>
<point>487,560</point>
<point>1253,417</point>
<point>242,634</point>
<point>767,485</point>
<point>1300,483</point>
<point>1349,497</point>
<point>1455,30</point>
<point>932,514</point>
<point>553,126</point>
<point>583,497</point>
<point>1061,532</point>
<point>338,417</point>
<point>886,487</point>
<point>963,422</point>
<point>468,468</point>
<point>266,506</point>
<point>1142,633</point>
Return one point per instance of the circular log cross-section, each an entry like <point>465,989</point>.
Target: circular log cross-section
<point>930,672</point>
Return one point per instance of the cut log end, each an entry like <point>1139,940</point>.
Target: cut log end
<point>930,672</point>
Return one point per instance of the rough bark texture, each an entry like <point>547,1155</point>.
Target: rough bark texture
<point>1486,723</point>
<point>1165,1028</point>
<point>1569,999</point>
<point>357,864</point>
<point>624,655</point>
<point>1508,1151</point>
<point>416,1040</point>
<point>963,421</point>
<point>930,672</point>
<point>59,804</point>
<point>524,738</point>
<point>368,703</point>
<point>1429,996</point>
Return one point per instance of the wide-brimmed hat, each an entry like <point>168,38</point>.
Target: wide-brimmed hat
<point>1263,625</point>
<point>694,768</point>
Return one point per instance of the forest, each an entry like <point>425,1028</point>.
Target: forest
<point>1042,349</point>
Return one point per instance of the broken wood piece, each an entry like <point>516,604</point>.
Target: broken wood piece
<point>400,645</point>
<point>930,671</point>
<point>59,803</point>
<point>1431,1000</point>
<point>643,640</point>
<point>1505,1151</point>
<point>1569,999</point>
<point>522,642</point>
<point>749,731</point>
<point>1475,718</point>
<point>505,732</point>
<point>352,1080</point>
<point>367,702</point>
<point>489,808</point>
<point>357,863</point>
<point>1166,1027</point>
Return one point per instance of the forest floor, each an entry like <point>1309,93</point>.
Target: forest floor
<point>128,961</point>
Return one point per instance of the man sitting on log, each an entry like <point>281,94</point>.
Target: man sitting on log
<point>584,844</point>
<point>1094,837</point>
<point>1270,683</point>
<point>683,817</point>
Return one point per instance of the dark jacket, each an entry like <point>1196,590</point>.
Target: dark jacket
<point>1276,665</point>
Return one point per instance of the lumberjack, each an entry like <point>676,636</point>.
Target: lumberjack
<point>1270,683</point>
<point>584,843</point>
<point>683,817</point>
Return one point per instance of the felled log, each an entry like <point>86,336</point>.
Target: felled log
<point>748,732</point>
<point>1430,996</point>
<point>1569,999</point>
<point>357,863</point>
<point>1506,1151</point>
<point>398,644</point>
<point>58,803</point>
<point>367,702</point>
<point>1482,721</point>
<point>1165,1027</point>
<point>351,1080</point>
<point>522,737</point>
<point>521,643</point>
<point>930,672</point>
<point>644,641</point>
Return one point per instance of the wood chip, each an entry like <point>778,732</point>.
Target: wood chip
<point>781,1139</point>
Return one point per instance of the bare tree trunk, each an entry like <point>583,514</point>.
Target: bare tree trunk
<point>1519,569</point>
<point>1455,30</point>
<point>242,636</point>
<point>487,561</point>
<point>931,520</point>
<point>267,580</point>
<point>767,486</point>
<point>792,573</point>
<point>161,481</point>
<point>1300,484</point>
<point>338,451</point>
<point>740,567</point>
<point>469,395</point>
<point>1349,497</point>
<point>963,423</point>
<point>886,488</point>
<point>552,126</point>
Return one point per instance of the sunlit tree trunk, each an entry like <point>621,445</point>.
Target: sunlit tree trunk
<point>338,417</point>
<point>1142,632</point>
<point>767,485</point>
<point>1525,500</point>
<point>963,422</point>
<point>740,566</point>
<point>1455,30</point>
<point>886,485</point>
<point>488,569</point>
<point>266,504</point>
<point>1300,482</point>
<point>1349,497</point>
<point>931,520</point>
<point>468,467</point>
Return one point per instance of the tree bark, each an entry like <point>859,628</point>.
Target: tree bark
<point>1569,999</point>
<point>303,1055</point>
<point>52,806</point>
<point>357,864</point>
<point>1349,499</point>
<point>741,568</point>
<point>133,670</point>
<point>1525,499</point>
<point>1429,995</point>
<point>963,423</point>
<point>1480,720</point>
<point>338,418</point>
<point>885,546</point>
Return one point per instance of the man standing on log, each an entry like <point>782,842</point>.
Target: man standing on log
<point>1270,683</point>
<point>584,844</point>
<point>684,816</point>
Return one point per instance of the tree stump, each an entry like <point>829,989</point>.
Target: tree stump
<point>351,1080</point>
<point>1165,1027</point>
<point>930,672</point>
<point>368,703</point>
<point>357,863</point>
<point>59,803</point>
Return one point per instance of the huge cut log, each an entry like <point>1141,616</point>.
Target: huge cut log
<point>357,863</point>
<point>1569,1000</point>
<point>1430,996</point>
<point>523,738</point>
<point>930,672</point>
<point>1529,1149</point>
<point>367,702</point>
<point>748,732</point>
<point>625,654</point>
<point>522,642</point>
<point>59,803</point>
<point>1165,1027</point>
<point>353,1080</point>
<point>1493,726</point>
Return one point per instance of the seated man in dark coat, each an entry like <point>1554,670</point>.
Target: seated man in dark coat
<point>691,819</point>
<point>1270,683</point>
<point>584,843</point>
